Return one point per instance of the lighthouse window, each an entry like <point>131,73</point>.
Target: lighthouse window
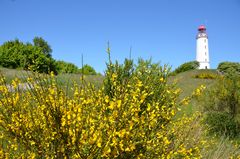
<point>206,60</point>
<point>205,53</point>
<point>204,40</point>
<point>205,46</point>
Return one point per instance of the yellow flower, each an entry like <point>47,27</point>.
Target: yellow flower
<point>69,116</point>
<point>111,105</point>
<point>32,142</point>
<point>106,99</point>
<point>114,76</point>
<point>99,141</point>
<point>106,151</point>
<point>119,102</point>
<point>132,147</point>
<point>148,107</point>
<point>161,79</point>
<point>127,149</point>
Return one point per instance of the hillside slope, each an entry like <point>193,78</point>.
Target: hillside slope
<point>185,80</point>
<point>64,79</point>
<point>188,83</point>
<point>11,74</point>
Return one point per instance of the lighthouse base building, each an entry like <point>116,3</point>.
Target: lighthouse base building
<point>202,52</point>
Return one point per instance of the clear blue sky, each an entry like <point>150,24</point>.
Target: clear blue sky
<point>162,29</point>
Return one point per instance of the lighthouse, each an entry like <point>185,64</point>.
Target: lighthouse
<point>202,52</point>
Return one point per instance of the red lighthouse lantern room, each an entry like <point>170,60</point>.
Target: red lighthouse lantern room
<point>201,28</point>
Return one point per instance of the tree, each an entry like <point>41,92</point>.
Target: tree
<point>66,67</point>
<point>87,70</point>
<point>16,54</point>
<point>10,53</point>
<point>41,43</point>
<point>37,61</point>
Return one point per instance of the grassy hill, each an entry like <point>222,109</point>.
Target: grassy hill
<point>188,83</point>
<point>11,74</point>
<point>185,81</point>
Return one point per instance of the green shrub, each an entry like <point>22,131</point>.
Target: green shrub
<point>66,67</point>
<point>192,65</point>
<point>221,102</point>
<point>223,96</point>
<point>87,70</point>
<point>150,74</point>
<point>221,123</point>
<point>229,67</point>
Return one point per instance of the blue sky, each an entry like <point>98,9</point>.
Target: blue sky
<point>163,30</point>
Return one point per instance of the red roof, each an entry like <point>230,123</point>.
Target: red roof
<point>201,27</point>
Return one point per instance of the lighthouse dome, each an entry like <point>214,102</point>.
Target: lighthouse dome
<point>201,28</point>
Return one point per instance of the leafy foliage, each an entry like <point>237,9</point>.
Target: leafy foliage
<point>15,54</point>
<point>10,52</point>
<point>223,98</point>
<point>192,65</point>
<point>36,57</point>
<point>43,45</point>
<point>134,118</point>
<point>87,70</point>
<point>66,67</point>
<point>221,123</point>
<point>229,67</point>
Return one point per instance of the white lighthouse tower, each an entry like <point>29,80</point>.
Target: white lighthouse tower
<point>202,55</point>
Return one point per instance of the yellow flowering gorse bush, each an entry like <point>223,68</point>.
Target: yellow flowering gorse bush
<point>136,119</point>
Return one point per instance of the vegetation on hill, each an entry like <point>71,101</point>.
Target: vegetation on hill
<point>192,65</point>
<point>222,103</point>
<point>87,70</point>
<point>16,54</point>
<point>206,75</point>
<point>188,82</point>
<point>36,57</point>
<point>66,67</point>
<point>43,45</point>
<point>64,79</point>
<point>134,111</point>
<point>229,67</point>
<point>133,115</point>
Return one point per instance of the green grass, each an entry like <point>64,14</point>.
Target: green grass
<point>187,83</point>
<point>11,74</point>
<point>69,79</point>
<point>63,79</point>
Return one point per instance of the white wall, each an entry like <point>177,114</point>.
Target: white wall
<point>202,55</point>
